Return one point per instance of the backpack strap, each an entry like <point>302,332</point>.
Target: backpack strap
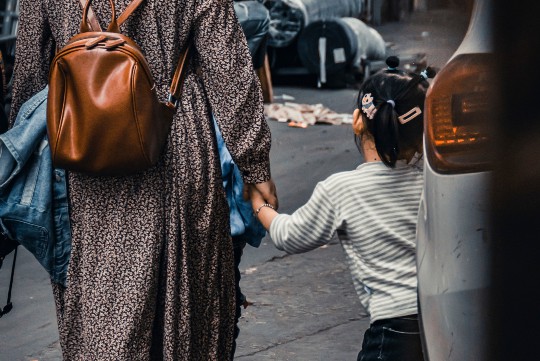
<point>175,91</point>
<point>129,10</point>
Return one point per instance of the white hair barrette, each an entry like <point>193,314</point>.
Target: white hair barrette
<point>367,106</point>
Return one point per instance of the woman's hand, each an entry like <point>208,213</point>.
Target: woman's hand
<point>266,190</point>
<point>264,213</point>
<point>257,198</point>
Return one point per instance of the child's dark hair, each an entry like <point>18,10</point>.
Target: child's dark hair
<point>392,104</point>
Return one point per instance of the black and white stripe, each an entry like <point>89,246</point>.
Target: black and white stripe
<point>373,209</point>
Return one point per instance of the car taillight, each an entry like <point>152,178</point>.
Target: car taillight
<point>459,112</point>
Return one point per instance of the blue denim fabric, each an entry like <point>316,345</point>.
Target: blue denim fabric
<point>33,195</point>
<point>392,339</point>
<point>244,225</point>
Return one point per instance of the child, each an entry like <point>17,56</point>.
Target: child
<point>373,209</point>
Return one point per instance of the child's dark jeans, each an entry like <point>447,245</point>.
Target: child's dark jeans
<point>392,339</point>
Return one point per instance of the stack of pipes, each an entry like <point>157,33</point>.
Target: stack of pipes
<point>327,47</point>
<point>328,35</point>
<point>289,17</point>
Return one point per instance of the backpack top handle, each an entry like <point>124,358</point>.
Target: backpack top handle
<point>113,26</point>
<point>90,23</point>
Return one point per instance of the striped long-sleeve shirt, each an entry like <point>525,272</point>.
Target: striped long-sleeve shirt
<point>373,209</point>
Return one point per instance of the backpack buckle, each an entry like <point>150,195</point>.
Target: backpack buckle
<point>172,102</point>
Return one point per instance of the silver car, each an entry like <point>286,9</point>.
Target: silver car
<point>453,251</point>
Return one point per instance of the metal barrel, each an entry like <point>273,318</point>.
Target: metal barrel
<point>289,17</point>
<point>326,47</point>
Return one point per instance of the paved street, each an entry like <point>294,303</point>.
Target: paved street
<point>304,307</point>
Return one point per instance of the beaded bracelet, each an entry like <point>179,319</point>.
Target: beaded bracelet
<point>261,207</point>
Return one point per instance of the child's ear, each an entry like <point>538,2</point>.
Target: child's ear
<point>358,123</point>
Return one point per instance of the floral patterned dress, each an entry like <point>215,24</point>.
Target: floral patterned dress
<point>151,270</point>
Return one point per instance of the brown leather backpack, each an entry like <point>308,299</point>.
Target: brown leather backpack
<point>103,113</point>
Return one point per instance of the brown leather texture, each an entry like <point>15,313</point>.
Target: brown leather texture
<point>103,114</point>
<point>94,24</point>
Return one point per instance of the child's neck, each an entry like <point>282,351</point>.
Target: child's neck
<point>371,155</point>
<point>369,151</point>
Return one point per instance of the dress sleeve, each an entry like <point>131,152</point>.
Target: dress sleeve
<point>233,89</point>
<point>311,226</point>
<point>33,54</point>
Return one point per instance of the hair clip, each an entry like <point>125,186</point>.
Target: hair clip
<point>367,106</point>
<point>410,115</point>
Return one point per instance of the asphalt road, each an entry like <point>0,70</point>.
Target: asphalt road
<point>304,305</point>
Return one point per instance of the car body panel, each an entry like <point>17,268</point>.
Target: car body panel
<point>454,242</point>
<point>478,38</point>
<point>453,270</point>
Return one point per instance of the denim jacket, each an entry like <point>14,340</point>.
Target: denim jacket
<point>244,225</point>
<point>33,195</point>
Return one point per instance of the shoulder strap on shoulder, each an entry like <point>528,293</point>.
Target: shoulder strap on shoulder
<point>129,10</point>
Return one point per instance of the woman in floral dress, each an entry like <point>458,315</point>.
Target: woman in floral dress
<point>151,269</point>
